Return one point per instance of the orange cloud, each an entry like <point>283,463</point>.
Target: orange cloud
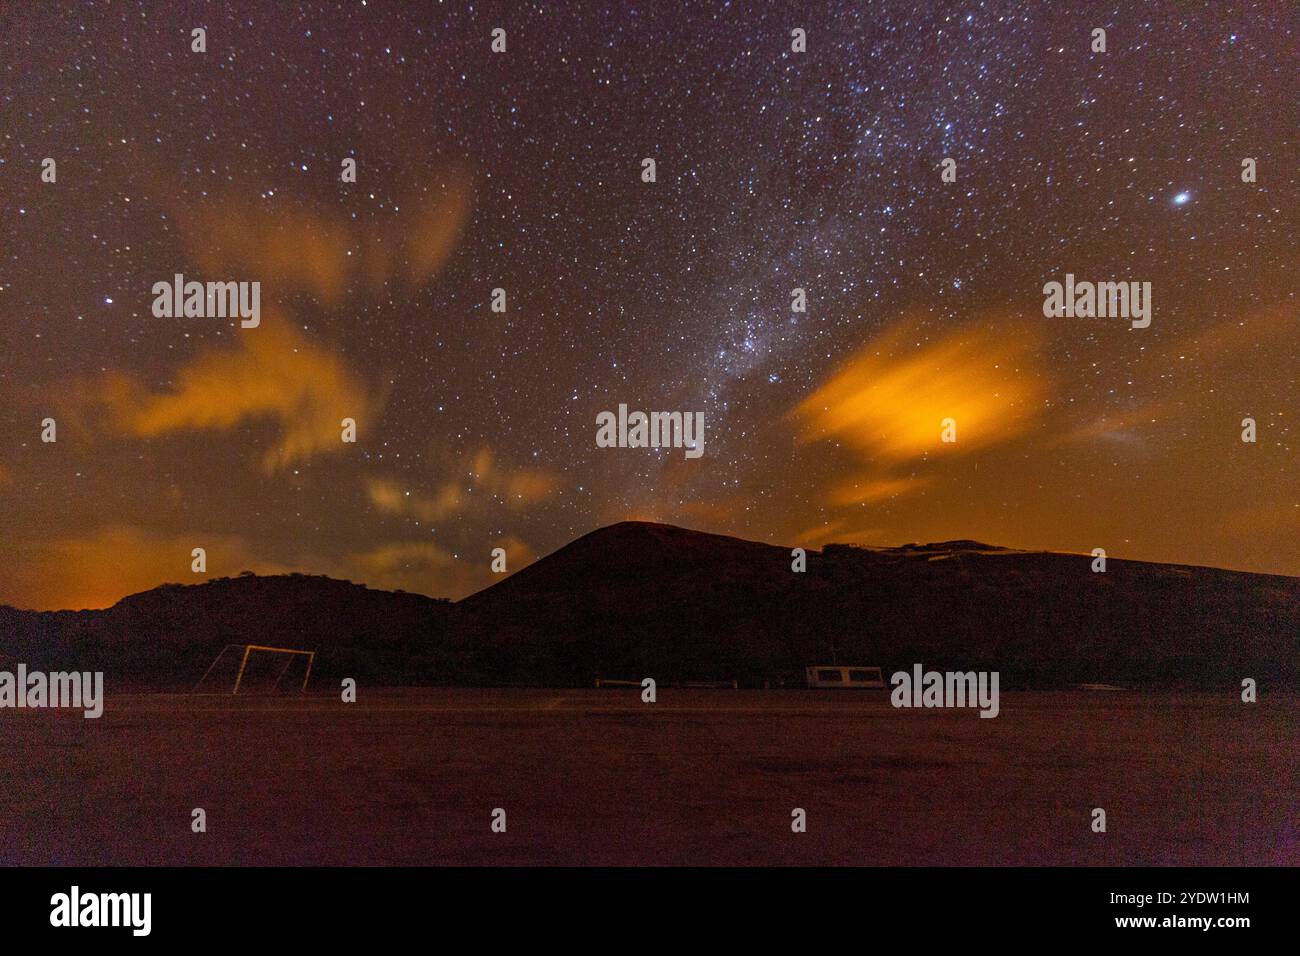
<point>519,554</point>
<point>273,372</point>
<point>426,568</point>
<point>515,487</point>
<point>888,401</point>
<point>391,498</point>
<point>97,569</point>
<point>888,404</point>
<point>402,556</point>
<point>386,495</point>
<point>518,487</point>
<point>291,249</point>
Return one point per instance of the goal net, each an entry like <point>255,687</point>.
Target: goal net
<point>253,668</point>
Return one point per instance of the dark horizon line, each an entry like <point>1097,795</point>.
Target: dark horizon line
<point>972,543</point>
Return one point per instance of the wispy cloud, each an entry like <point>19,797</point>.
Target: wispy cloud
<point>1124,427</point>
<point>888,400</point>
<point>887,404</point>
<point>475,478</point>
<point>273,373</point>
<point>428,568</point>
<point>871,490</point>
<point>390,497</point>
<point>292,248</point>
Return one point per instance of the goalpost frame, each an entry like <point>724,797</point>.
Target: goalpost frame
<point>248,649</point>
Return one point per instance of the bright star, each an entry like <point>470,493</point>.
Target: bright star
<point>1182,199</point>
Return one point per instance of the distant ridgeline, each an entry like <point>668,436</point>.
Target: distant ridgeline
<point>643,600</point>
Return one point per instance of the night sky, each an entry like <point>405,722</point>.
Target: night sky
<point>522,170</point>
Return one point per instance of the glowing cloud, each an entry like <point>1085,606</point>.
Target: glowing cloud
<point>888,401</point>
<point>273,373</point>
<point>518,486</point>
<point>97,569</point>
<point>390,498</point>
<point>515,487</point>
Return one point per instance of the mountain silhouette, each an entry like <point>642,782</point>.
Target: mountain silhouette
<point>638,599</point>
<point>169,635</point>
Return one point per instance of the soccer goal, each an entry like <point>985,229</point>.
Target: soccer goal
<point>254,667</point>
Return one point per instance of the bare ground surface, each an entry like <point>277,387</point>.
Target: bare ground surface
<point>700,777</point>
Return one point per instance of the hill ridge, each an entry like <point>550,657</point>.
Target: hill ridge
<point>645,598</point>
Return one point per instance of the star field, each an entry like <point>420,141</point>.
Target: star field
<point>521,170</point>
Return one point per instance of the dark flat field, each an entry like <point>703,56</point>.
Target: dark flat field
<point>700,777</point>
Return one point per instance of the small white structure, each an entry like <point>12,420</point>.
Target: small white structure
<point>852,678</point>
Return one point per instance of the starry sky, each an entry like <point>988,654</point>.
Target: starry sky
<point>522,170</point>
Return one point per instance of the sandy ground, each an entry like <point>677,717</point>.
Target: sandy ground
<point>700,777</point>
